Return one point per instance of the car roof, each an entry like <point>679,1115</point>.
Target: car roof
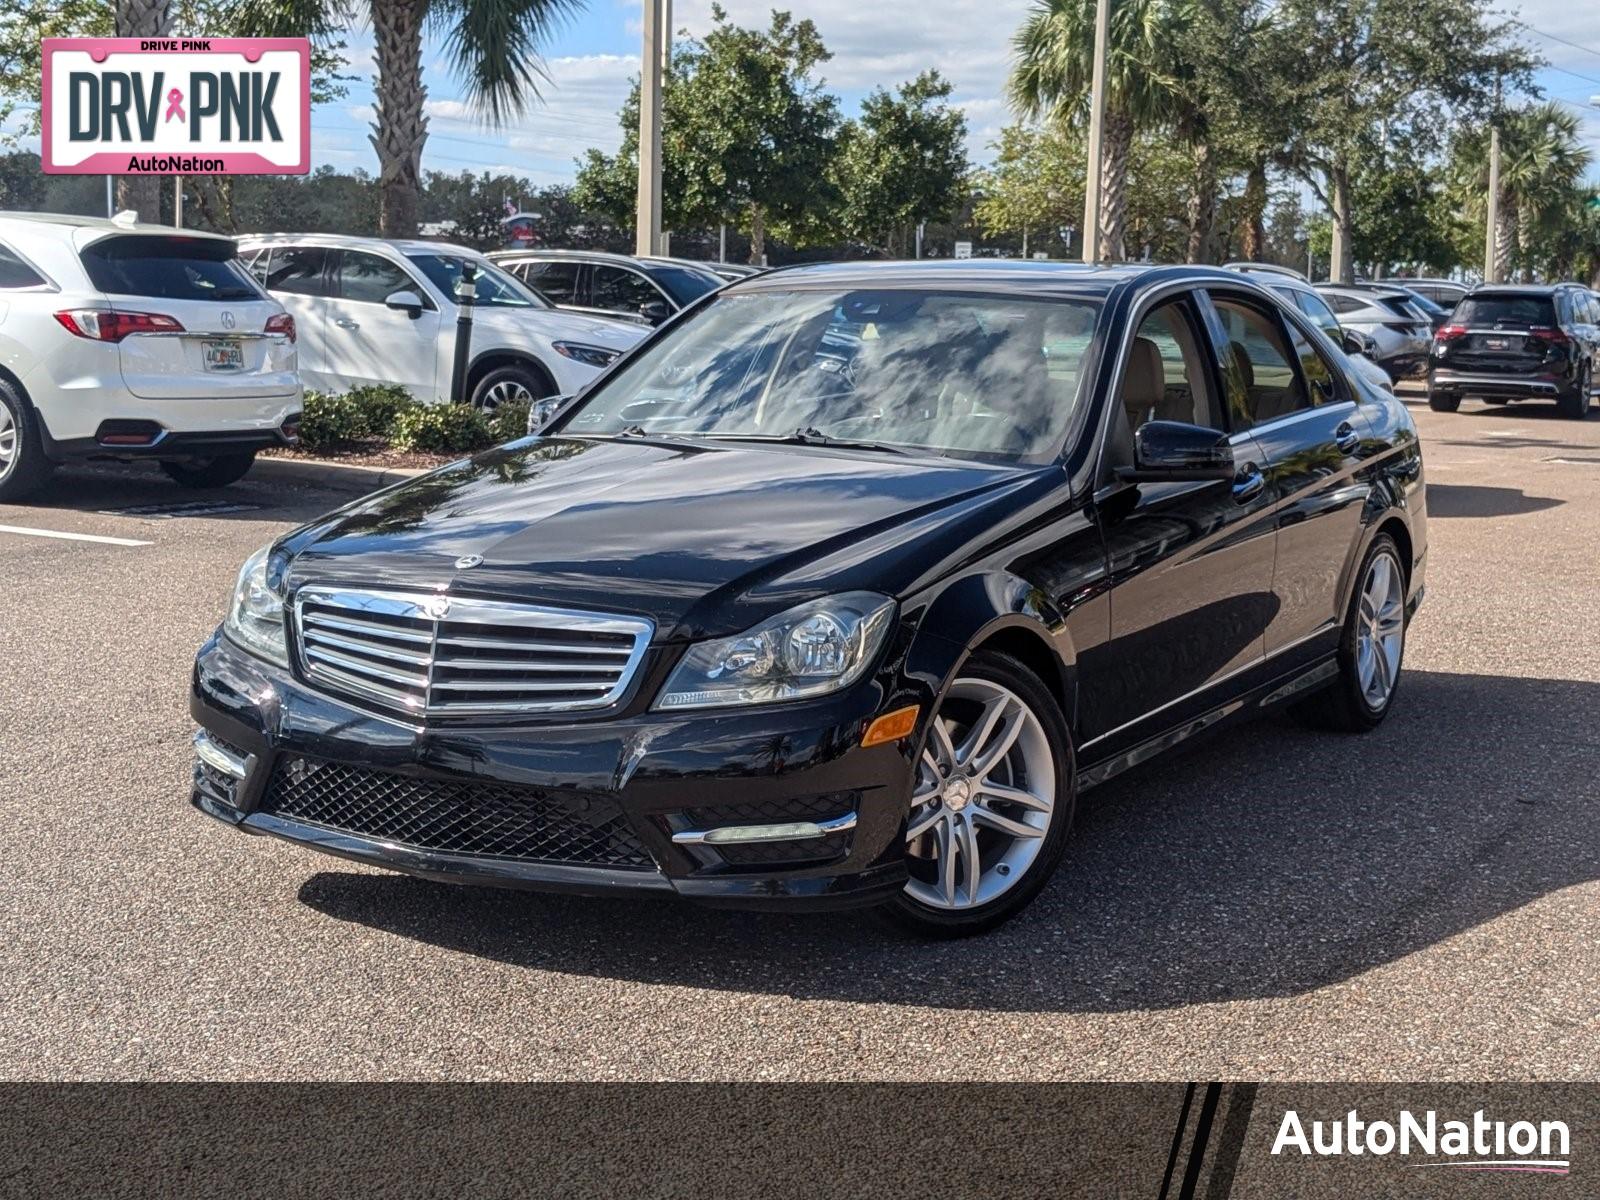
<point>595,255</point>
<point>350,242</point>
<point>1011,276</point>
<point>106,225</point>
<point>1520,289</point>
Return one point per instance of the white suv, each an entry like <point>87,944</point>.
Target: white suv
<point>125,341</point>
<point>372,310</point>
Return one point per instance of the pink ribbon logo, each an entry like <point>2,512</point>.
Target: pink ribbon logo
<point>175,105</point>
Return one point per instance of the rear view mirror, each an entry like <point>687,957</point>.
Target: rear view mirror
<point>542,412</point>
<point>655,311</point>
<point>1353,342</point>
<point>1176,450</point>
<point>407,302</point>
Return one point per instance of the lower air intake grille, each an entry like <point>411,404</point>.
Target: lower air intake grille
<point>483,819</point>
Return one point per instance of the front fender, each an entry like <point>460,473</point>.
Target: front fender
<point>976,609</point>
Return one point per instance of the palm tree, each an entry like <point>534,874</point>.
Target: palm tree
<point>141,19</point>
<point>493,45</point>
<point>1054,65</point>
<point>1541,161</point>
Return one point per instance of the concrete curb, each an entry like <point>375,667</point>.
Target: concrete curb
<point>344,477</point>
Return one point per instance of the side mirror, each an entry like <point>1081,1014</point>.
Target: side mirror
<point>407,302</point>
<point>1353,342</point>
<point>655,311</point>
<point>1176,450</point>
<point>542,412</point>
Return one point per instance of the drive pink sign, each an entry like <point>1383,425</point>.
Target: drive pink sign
<point>177,106</point>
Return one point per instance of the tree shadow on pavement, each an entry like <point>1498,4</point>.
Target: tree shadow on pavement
<point>1270,862</point>
<point>1477,500</point>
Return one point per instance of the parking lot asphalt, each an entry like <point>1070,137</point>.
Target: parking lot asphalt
<point>1421,904</point>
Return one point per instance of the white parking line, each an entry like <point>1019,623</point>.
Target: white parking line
<point>71,537</point>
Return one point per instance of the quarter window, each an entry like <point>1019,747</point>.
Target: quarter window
<point>1263,384</point>
<point>297,270</point>
<point>370,278</point>
<point>14,273</point>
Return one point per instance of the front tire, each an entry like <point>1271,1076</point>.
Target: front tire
<point>992,803</point>
<point>210,472</point>
<point>23,466</point>
<point>1575,404</point>
<point>508,385</point>
<point>1371,648</point>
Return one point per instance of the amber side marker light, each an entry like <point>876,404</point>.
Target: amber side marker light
<point>892,726</point>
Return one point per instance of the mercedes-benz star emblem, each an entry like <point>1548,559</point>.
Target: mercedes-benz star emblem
<point>227,319</point>
<point>468,561</point>
<point>438,608</point>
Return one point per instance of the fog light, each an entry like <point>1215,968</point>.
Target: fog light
<point>788,831</point>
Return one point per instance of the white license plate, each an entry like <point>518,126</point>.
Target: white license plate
<point>223,356</point>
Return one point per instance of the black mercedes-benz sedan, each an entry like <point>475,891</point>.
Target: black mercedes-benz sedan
<point>837,591</point>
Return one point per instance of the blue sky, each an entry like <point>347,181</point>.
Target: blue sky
<point>592,58</point>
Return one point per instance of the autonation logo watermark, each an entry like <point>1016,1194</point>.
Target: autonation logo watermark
<point>1476,1145</point>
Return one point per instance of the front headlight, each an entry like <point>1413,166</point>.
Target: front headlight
<point>589,356</point>
<point>255,617</point>
<point>810,650</point>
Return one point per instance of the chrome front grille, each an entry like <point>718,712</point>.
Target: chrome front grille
<point>426,655</point>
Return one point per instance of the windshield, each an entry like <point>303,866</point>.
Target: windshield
<point>1526,311</point>
<point>496,289</point>
<point>977,375</point>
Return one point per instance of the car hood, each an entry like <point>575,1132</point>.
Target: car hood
<point>558,325</point>
<point>703,539</point>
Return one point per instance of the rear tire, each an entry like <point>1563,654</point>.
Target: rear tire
<point>1575,404</point>
<point>1369,661</point>
<point>995,780</point>
<point>23,466</point>
<point>1443,401</point>
<point>210,472</point>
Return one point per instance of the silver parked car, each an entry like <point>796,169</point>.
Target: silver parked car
<point>1401,332</point>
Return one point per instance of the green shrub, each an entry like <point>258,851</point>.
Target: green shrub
<point>331,420</point>
<point>441,429</point>
<point>382,403</point>
<point>363,412</point>
<point>510,421</point>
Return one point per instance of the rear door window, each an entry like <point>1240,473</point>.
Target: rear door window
<point>298,270</point>
<point>371,278</point>
<point>1521,312</point>
<point>556,281</point>
<point>170,268</point>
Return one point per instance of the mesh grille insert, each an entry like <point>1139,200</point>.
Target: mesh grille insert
<point>479,818</point>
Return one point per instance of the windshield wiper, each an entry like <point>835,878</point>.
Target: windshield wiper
<point>810,435</point>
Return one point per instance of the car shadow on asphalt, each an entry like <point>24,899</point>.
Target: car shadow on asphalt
<point>140,491</point>
<point>1267,863</point>
<point>1478,500</point>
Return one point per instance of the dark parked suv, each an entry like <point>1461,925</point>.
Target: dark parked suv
<point>839,590</point>
<point>1507,343</point>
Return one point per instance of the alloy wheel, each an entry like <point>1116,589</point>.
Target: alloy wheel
<point>985,792</point>
<point>507,391</point>
<point>8,441</point>
<point>1381,632</point>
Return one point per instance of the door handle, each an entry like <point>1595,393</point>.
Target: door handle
<point>1248,483</point>
<point>1346,438</point>
<point>346,323</point>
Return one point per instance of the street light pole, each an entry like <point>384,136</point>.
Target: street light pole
<point>1490,272</point>
<point>1097,121</point>
<point>647,234</point>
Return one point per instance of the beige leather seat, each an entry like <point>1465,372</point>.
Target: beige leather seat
<point>1144,383</point>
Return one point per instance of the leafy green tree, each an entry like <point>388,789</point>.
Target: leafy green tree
<point>1054,67</point>
<point>1035,185</point>
<point>748,133</point>
<point>1352,77</point>
<point>903,161</point>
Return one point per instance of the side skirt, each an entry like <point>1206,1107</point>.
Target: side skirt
<point>1301,682</point>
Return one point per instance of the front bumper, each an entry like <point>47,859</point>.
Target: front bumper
<point>595,806</point>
